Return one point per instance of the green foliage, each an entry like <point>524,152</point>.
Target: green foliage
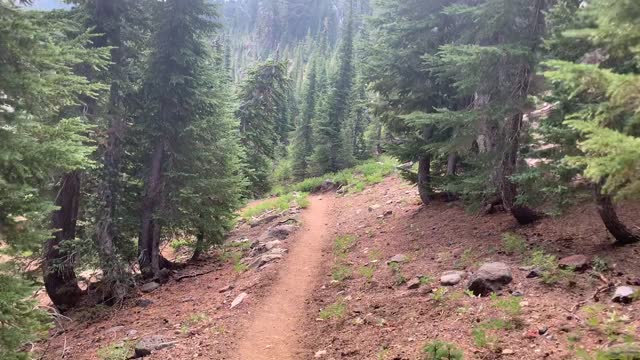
<point>343,244</point>
<point>513,243</point>
<point>261,95</point>
<point>367,272</point>
<point>334,311</point>
<point>440,350</point>
<point>280,204</point>
<point>550,270</point>
<point>117,351</point>
<point>341,272</point>
<point>398,276</point>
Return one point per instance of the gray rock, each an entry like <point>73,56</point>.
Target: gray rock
<point>278,251</point>
<point>451,278</point>
<point>413,283</point>
<point>327,185</point>
<point>628,351</point>
<point>272,244</point>
<point>281,232</point>
<point>238,300</point>
<point>149,287</point>
<point>534,273</point>
<point>148,344</point>
<point>265,219</point>
<point>263,260</point>
<point>491,277</point>
<point>576,262</point>
<point>143,303</point>
<point>623,295</point>
<point>400,258</point>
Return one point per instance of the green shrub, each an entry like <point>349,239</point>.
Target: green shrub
<point>367,272</point>
<point>513,243</point>
<point>549,268</point>
<point>280,204</point>
<point>341,272</point>
<point>440,350</point>
<point>342,244</point>
<point>116,351</point>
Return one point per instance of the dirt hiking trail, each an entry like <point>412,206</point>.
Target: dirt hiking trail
<point>275,330</point>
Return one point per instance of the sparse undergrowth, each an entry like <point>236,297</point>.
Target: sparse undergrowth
<point>334,311</point>
<point>440,350</point>
<point>353,180</point>
<point>117,351</point>
<point>280,204</point>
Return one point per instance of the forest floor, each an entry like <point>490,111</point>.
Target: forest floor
<point>335,296</point>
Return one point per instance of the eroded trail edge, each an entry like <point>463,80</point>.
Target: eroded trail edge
<point>274,332</point>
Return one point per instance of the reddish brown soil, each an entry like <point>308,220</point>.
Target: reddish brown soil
<point>279,318</point>
<point>387,321</point>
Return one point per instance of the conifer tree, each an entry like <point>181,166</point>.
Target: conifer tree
<point>178,99</point>
<point>602,104</point>
<point>303,138</point>
<point>262,96</point>
<point>332,150</point>
<point>37,84</point>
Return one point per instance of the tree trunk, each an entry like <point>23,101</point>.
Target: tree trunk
<point>424,178</point>
<point>59,276</point>
<point>523,214</point>
<point>607,211</point>
<point>149,241</point>
<point>452,164</point>
<point>197,251</point>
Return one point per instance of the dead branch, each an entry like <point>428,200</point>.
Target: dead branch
<point>187,276</point>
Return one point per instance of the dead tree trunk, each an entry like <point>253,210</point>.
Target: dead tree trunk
<point>59,276</point>
<point>149,241</point>
<point>612,222</point>
<point>452,164</point>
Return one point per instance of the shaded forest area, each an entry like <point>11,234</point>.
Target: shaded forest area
<point>126,125</point>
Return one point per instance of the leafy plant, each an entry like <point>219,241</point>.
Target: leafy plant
<point>599,264</point>
<point>440,350</point>
<point>342,244</point>
<point>549,268</point>
<point>367,272</point>
<point>439,294</point>
<point>396,270</point>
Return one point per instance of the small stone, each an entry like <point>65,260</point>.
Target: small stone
<point>320,353</point>
<point>517,293</point>
<point>623,295</point>
<point>281,232</point>
<point>451,278</point>
<point>543,330</point>
<point>388,213</point>
<point>534,273</point>
<point>576,262</point>
<point>149,287</point>
<point>272,244</point>
<point>413,283</point>
<point>226,288</point>
<point>238,300</point>
<point>114,330</point>
<point>132,333</point>
<point>374,207</point>
<point>507,352</point>
<point>400,258</point>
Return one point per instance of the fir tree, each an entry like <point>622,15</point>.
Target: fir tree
<point>332,150</point>
<point>37,83</point>
<point>303,138</point>
<point>262,96</point>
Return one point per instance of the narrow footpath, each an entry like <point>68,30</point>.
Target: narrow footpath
<point>275,330</point>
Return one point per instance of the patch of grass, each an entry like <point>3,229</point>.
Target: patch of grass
<point>425,280</point>
<point>341,272</point>
<point>240,267</point>
<point>548,266</point>
<point>354,179</point>
<point>334,311</point>
<point>481,339</point>
<point>367,272</point>
<point>177,244</point>
<point>374,255</point>
<point>509,305</point>
<point>116,351</point>
<point>280,204</point>
<point>396,270</point>
<point>440,350</point>
<point>599,265</point>
<point>513,244</point>
<point>439,294</point>
<point>608,323</point>
<point>342,244</point>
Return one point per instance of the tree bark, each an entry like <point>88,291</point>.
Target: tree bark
<point>149,241</point>
<point>59,275</point>
<point>452,164</point>
<point>612,222</point>
<point>523,214</point>
<point>424,169</point>
<point>197,251</point>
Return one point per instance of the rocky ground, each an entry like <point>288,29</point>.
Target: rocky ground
<point>391,277</point>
